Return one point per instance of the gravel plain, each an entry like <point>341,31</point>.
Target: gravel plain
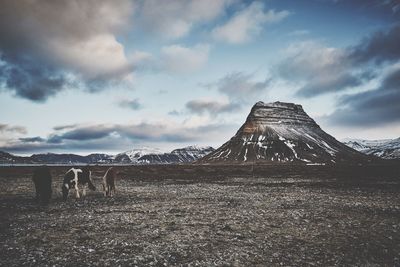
<point>188,215</point>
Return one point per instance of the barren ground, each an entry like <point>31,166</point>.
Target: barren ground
<point>206,216</point>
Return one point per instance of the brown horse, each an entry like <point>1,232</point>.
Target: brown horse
<point>109,182</point>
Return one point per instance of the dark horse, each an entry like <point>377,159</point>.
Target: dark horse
<point>42,180</point>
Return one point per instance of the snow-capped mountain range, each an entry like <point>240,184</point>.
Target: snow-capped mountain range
<point>387,148</point>
<point>144,155</point>
<point>282,132</point>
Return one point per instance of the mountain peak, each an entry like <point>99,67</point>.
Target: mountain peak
<point>263,115</point>
<point>282,132</point>
<point>278,104</point>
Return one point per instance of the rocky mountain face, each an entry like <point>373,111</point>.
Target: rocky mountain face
<point>135,156</point>
<point>282,132</point>
<point>386,149</point>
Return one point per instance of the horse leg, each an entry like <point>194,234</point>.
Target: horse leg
<point>77,191</point>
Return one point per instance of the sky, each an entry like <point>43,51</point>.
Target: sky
<point>86,76</point>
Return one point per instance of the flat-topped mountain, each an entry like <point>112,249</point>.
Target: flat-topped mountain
<point>282,132</point>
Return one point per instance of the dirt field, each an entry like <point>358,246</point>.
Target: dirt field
<point>208,216</point>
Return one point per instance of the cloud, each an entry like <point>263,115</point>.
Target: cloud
<point>329,83</point>
<point>240,86</point>
<point>115,137</point>
<point>247,23</point>
<point>378,106</point>
<point>144,61</point>
<point>375,107</point>
<point>181,59</point>
<point>175,113</point>
<point>36,139</point>
<point>83,133</point>
<point>325,70</point>
<point>133,104</point>
<point>387,8</point>
<point>101,57</point>
<point>321,70</point>
<point>5,128</point>
<point>173,58</point>
<point>44,51</point>
<point>64,127</point>
<point>304,60</point>
<point>176,18</point>
<point>31,80</point>
<point>382,46</point>
<point>371,66</point>
<point>201,106</point>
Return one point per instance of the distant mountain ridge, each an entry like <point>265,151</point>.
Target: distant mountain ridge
<point>282,132</point>
<point>136,156</point>
<point>386,149</point>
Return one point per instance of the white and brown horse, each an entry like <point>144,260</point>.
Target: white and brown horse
<point>75,178</point>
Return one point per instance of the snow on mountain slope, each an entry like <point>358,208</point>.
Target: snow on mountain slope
<point>282,132</point>
<point>136,156</point>
<point>386,148</point>
<point>132,156</point>
<point>191,153</point>
<point>181,155</point>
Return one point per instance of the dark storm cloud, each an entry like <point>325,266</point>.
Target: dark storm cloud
<point>392,81</point>
<point>87,133</point>
<point>371,108</point>
<point>212,107</point>
<point>109,143</point>
<point>45,44</point>
<point>130,103</point>
<point>325,70</point>
<point>31,80</point>
<point>319,86</point>
<point>36,139</point>
<point>381,105</point>
<point>368,109</point>
<point>382,8</point>
<point>380,47</point>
